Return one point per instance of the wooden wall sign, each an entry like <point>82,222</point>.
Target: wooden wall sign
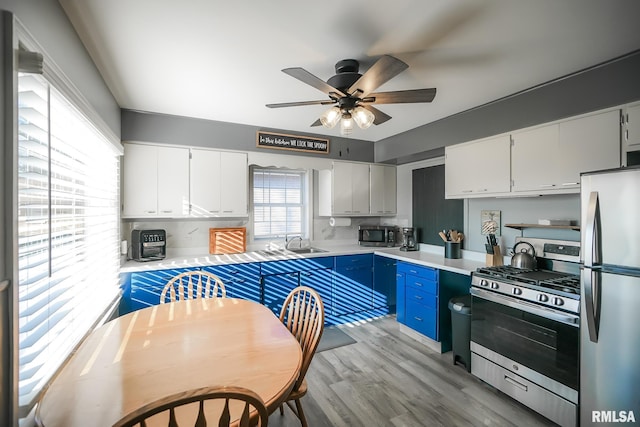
<point>292,142</point>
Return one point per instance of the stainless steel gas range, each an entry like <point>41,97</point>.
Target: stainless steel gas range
<point>525,329</point>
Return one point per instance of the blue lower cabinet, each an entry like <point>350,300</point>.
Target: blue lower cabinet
<point>353,287</point>
<point>384,282</point>
<point>401,305</point>
<point>419,288</point>
<point>276,287</point>
<point>146,287</point>
<point>322,282</point>
<point>240,280</point>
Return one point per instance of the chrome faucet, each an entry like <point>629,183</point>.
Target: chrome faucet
<point>288,241</point>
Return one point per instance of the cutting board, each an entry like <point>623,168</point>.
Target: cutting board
<point>227,240</point>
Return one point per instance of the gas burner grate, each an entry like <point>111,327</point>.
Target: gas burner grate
<point>504,271</point>
<point>569,284</point>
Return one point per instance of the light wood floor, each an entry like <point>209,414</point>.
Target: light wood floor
<point>388,379</point>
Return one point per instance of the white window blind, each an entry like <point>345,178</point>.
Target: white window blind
<point>68,231</point>
<point>278,202</point>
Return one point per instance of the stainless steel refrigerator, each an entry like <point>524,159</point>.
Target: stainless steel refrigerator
<point>610,297</point>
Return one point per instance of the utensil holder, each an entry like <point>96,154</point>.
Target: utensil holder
<point>494,259</point>
<point>452,250</point>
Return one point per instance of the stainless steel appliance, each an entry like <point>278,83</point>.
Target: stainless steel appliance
<point>377,235</point>
<point>408,240</point>
<point>148,245</point>
<point>610,287</point>
<point>525,329</point>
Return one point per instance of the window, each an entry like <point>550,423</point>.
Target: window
<point>68,231</point>
<point>279,206</point>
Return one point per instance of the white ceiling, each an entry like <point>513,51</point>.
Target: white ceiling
<point>222,60</point>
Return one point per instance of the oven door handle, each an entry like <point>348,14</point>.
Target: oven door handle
<point>547,313</point>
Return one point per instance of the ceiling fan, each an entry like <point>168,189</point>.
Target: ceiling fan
<point>352,94</point>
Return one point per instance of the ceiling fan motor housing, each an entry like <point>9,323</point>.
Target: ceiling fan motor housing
<point>346,74</point>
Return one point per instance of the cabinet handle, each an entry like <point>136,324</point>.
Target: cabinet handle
<point>515,383</point>
<point>547,185</point>
<point>482,190</point>
<point>418,297</point>
<point>214,211</point>
<point>413,272</point>
<point>467,191</point>
<point>150,211</point>
<point>227,211</point>
<point>626,134</point>
<point>167,211</point>
<point>570,183</point>
<point>418,284</point>
<point>419,319</point>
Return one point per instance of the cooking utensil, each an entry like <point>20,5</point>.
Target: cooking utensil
<point>443,236</point>
<point>524,259</point>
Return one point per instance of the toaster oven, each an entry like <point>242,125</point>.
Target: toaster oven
<point>148,245</point>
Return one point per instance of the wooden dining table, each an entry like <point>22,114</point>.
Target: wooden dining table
<point>157,351</point>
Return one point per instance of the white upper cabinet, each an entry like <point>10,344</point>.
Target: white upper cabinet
<point>344,190</point>
<point>219,183</point>
<point>155,181</point>
<point>549,159</point>
<point>383,190</point>
<point>631,115</point>
<point>478,168</point>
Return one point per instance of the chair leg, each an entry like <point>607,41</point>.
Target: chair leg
<point>282,409</point>
<point>300,414</point>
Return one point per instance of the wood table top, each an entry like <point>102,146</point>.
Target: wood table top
<point>151,353</point>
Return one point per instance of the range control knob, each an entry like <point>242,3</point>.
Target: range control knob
<point>516,291</point>
<point>494,285</point>
<point>543,298</point>
<point>484,283</point>
<point>558,301</point>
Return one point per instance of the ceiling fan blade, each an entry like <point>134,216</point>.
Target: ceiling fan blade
<point>401,96</point>
<point>380,116</point>
<point>300,103</point>
<point>306,77</point>
<point>385,68</point>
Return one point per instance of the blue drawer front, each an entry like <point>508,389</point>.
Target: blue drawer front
<point>240,280</point>
<point>422,319</point>
<point>362,260</point>
<point>424,285</point>
<point>147,286</point>
<point>419,296</point>
<point>294,265</point>
<point>427,273</point>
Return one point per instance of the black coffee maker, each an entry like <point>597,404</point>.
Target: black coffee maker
<point>408,240</point>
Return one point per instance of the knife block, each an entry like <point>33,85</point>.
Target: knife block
<point>494,259</point>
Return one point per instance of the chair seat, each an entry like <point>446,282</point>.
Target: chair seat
<point>300,392</point>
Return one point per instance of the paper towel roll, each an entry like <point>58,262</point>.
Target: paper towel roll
<point>339,222</point>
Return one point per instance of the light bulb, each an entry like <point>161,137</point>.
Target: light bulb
<point>346,124</point>
<point>330,117</point>
<point>363,117</point>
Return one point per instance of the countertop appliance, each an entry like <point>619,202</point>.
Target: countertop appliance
<point>525,329</point>
<point>610,289</point>
<point>377,235</point>
<point>148,245</point>
<point>408,240</point>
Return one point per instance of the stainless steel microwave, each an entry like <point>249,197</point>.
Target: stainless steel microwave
<point>377,235</point>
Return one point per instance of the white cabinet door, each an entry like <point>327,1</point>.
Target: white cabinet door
<point>360,188</point>
<point>478,169</point>
<point>140,181</point>
<point>205,183</point>
<point>383,190</point>
<point>534,159</point>
<point>234,175</point>
<point>341,188</point>
<point>173,182</point>
<point>632,126</point>
<point>587,144</point>
<point>218,183</point>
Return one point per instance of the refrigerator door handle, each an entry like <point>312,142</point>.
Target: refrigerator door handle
<point>592,254</point>
<point>591,283</point>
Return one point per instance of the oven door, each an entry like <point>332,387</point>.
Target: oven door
<point>540,338</point>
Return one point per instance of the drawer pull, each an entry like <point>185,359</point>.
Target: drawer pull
<point>515,383</point>
<point>418,284</point>
<point>419,319</point>
<point>417,297</point>
<point>413,271</point>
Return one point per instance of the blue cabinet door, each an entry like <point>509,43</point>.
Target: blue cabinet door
<point>384,282</point>
<point>353,284</point>
<point>147,286</point>
<point>276,287</point>
<point>240,280</point>
<point>400,297</point>
<point>322,282</point>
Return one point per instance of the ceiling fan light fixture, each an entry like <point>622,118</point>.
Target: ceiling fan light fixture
<point>363,117</point>
<point>330,117</point>
<point>346,124</point>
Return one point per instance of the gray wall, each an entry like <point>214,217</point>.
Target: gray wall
<point>47,23</point>
<point>178,130</point>
<point>603,86</point>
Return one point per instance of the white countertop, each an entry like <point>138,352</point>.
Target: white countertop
<point>428,255</point>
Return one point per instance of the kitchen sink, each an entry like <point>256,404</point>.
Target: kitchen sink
<point>307,250</point>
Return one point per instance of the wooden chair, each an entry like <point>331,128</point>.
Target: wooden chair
<point>201,396</point>
<point>193,285</point>
<point>303,314</point>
